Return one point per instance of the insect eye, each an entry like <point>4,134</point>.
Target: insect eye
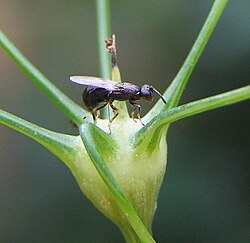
<point>146,92</point>
<point>145,87</point>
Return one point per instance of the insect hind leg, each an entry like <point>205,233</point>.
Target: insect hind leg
<point>96,111</point>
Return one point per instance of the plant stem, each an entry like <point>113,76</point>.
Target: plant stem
<point>207,104</point>
<point>176,88</point>
<point>61,145</point>
<point>71,109</point>
<point>103,31</point>
<point>159,122</point>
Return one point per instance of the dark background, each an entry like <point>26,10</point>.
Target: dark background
<point>205,193</point>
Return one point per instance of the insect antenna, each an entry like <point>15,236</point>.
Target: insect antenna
<point>157,92</point>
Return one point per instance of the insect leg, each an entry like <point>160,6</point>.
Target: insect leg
<point>133,112</point>
<point>93,115</point>
<point>96,110</point>
<point>116,110</point>
<point>97,113</point>
<point>137,108</point>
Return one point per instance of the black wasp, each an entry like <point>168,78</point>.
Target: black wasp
<point>101,92</point>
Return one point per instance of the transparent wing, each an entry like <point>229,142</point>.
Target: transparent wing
<point>93,81</point>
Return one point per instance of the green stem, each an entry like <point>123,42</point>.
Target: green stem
<point>61,145</point>
<point>103,31</point>
<point>71,109</point>
<point>206,104</point>
<point>109,180</point>
<point>176,88</point>
<point>154,127</point>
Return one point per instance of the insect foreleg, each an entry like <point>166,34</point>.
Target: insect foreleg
<point>137,108</point>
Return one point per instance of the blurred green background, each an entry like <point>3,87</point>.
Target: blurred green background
<point>205,195</point>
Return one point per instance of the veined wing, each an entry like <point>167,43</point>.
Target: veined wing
<point>128,87</point>
<point>94,82</point>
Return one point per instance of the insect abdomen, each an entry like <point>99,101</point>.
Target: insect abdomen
<point>92,97</point>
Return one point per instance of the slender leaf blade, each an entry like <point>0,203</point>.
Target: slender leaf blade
<point>71,109</point>
<point>174,92</point>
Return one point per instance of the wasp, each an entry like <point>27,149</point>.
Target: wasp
<point>101,92</point>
